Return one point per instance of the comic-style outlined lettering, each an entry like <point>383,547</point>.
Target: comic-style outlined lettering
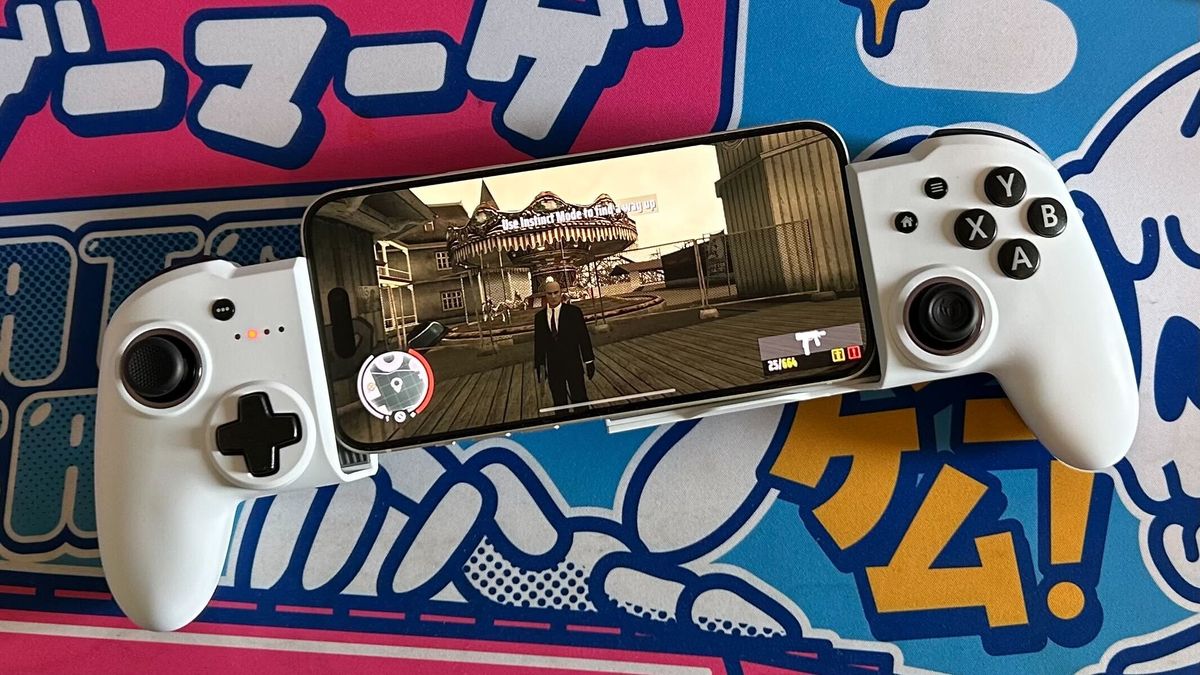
<point>263,71</point>
<point>50,493</point>
<point>263,74</point>
<point>547,61</point>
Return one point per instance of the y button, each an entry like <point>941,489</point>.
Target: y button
<point>1004,186</point>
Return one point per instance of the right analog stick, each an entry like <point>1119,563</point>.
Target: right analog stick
<point>944,317</point>
<point>160,369</point>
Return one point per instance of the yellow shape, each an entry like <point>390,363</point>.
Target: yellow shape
<point>910,583</point>
<point>838,354</point>
<point>990,420</point>
<point>1070,502</point>
<point>875,441</point>
<point>1065,600</point>
<point>881,11</point>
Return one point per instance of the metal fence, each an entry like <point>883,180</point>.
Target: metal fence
<point>713,270</point>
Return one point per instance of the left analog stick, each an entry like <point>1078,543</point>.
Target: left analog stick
<point>160,369</point>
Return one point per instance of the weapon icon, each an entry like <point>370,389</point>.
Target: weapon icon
<point>809,338</point>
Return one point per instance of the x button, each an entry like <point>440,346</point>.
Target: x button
<point>975,228</point>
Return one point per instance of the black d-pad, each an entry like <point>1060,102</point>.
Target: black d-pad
<point>258,433</point>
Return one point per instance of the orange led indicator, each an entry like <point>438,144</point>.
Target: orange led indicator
<point>251,333</point>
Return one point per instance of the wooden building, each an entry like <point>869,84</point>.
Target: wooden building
<point>786,215</point>
<point>440,292</point>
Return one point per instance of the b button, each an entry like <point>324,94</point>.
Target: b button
<point>1046,217</point>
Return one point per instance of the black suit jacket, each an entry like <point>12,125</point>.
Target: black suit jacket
<point>570,349</point>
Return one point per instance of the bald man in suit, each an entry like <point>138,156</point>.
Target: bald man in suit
<point>562,348</point>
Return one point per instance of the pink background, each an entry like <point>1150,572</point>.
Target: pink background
<point>354,147</point>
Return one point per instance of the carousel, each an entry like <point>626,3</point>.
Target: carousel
<point>549,238</point>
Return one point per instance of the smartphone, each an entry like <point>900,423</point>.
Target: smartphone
<point>610,284</point>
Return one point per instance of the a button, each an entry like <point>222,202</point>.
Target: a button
<point>935,188</point>
<point>160,369</point>
<point>223,309</point>
<point>258,433</point>
<point>1046,217</point>
<point>1004,186</point>
<point>906,222</point>
<point>1019,258</point>
<point>975,228</point>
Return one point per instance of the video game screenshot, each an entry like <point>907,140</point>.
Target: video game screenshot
<point>568,291</point>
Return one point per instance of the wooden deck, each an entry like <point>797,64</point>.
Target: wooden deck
<point>718,353</point>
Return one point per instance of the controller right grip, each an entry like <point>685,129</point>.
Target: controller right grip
<point>164,530</point>
<point>1088,424</point>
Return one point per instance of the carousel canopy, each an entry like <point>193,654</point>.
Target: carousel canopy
<point>549,228</point>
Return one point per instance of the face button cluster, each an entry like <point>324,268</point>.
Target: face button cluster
<point>1005,188</point>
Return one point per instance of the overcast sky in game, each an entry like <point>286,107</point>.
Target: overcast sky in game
<point>683,179</point>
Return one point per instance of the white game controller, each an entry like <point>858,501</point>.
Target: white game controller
<point>974,257</point>
<point>211,393</point>
<point>993,233</point>
<point>976,260</point>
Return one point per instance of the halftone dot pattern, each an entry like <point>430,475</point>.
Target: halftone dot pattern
<point>42,271</point>
<point>43,452</point>
<point>646,612</point>
<point>136,257</point>
<point>562,587</point>
<point>251,244</point>
<point>736,628</point>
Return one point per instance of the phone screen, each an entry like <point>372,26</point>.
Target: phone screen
<point>599,285</point>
